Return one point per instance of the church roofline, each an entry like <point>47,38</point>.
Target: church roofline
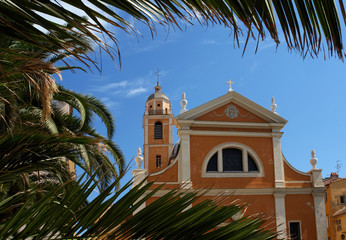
<point>237,99</point>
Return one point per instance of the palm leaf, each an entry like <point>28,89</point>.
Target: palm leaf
<point>111,215</point>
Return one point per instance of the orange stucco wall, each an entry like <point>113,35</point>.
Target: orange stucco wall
<point>301,207</point>
<point>200,147</point>
<point>291,175</point>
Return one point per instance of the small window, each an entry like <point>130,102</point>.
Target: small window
<point>158,160</point>
<point>295,231</point>
<point>158,130</point>
<point>338,225</point>
<point>158,105</point>
<point>342,199</point>
<point>212,164</point>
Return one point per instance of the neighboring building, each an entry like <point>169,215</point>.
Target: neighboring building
<point>336,206</point>
<point>232,146</point>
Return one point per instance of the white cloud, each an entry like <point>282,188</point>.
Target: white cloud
<point>136,91</point>
<point>110,86</point>
<point>208,42</point>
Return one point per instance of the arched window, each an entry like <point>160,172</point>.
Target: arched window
<point>232,160</point>
<point>158,130</point>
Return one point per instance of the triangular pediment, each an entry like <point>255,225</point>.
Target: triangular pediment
<point>232,107</point>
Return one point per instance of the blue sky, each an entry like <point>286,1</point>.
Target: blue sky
<point>310,93</point>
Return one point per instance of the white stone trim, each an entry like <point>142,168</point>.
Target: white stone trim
<point>239,146</point>
<point>156,145</point>
<point>226,133</point>
<point>320,213</point>
<point>280,211</point>
<point>145,146</point>
<point>297,181</point>
<point>278,163</point>
<point>165,116</point>
<point>185,156</point>
<point>195,123</point>
<point>240,191</point>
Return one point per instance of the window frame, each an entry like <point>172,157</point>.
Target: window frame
<point>338,225</point>
<point>300,228</point>
<point>158,160</point>
<point>158,133</point>
<point>245,151</point>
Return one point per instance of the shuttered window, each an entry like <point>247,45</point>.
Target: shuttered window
<point>158,130</point>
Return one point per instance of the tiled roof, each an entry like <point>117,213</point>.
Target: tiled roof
<point>339,212</point>
<point>332,180</point>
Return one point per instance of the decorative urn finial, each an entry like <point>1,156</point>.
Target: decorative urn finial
<point>183,103</point>
<point>229,82</point>
<point>139,158</point>
<point>313,160</point>
<point>273,106</point>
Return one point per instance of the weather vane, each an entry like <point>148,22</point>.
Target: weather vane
<point>158,76</point>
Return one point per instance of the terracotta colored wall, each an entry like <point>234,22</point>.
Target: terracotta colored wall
<point>301,207</point>
<point>200,147</point>
<point>170,175</point>
<point>243,116</point>
<point>291,175</point>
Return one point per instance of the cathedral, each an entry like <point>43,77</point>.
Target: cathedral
<point>232,146</point>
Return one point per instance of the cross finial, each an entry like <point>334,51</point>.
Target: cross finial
<point>158,76</point>
<point>229,82</point>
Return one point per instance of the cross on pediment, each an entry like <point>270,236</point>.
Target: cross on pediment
<point>229,82</point>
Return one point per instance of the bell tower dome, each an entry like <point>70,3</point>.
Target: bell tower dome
<point>158,131</point>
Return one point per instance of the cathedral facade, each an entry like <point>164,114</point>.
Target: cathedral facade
<point>232,146</point>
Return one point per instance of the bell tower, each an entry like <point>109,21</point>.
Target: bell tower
<point>158,131</point>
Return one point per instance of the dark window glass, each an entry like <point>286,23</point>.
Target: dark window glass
<point>158,130</point>
<point>158,161</point>
<point>252,165</point>
<point>295,231</point>
<point>342,199</point>
<point>212,164</point>
<point>232,160</point>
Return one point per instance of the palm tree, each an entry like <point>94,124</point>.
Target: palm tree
<point>305,24</point>
<point>24,105</point>
<point>309,27</point>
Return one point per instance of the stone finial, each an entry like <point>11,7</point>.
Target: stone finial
<point>139,158</point>
<point>229,82</point>
<point>273,106</point>
<point>183,104</point>
<point>313,160</point>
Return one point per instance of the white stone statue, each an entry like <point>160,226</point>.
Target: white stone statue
<point>183,104</point>
<point>139,158</point>
<point>313,160</point>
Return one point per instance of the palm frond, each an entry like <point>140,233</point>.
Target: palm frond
<point>111,215</point>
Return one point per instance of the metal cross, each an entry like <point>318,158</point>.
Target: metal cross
<point>229,82</point>
<point>158,76</point>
